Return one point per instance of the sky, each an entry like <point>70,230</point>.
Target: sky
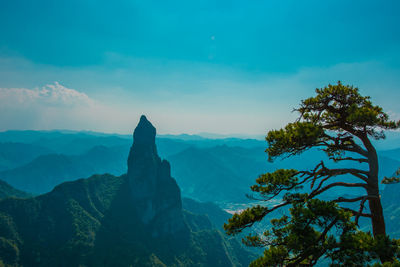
<point>226,67</point>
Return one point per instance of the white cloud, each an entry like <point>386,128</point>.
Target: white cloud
<point>49,107</point>
<point>51,94</point>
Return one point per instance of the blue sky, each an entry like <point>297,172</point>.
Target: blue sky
<point>192,66</point>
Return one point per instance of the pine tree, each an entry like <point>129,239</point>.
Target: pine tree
<point>342,123</point>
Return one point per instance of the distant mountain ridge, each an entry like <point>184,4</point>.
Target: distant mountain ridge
<point>46,171</point>
<point>14,154</point>
<point>236,163</point>
<point>220,173</point>
<point>7,190</point>
<point>391,141</point>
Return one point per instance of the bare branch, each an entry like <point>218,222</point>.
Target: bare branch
<point>361,209</point>
<point>342,199</point>
<point>360,160</point>
<point>356,213</point>
<point>321,171</point>
<point>323,189</point>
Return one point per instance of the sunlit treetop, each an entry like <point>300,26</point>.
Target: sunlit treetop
<point>331,119</point>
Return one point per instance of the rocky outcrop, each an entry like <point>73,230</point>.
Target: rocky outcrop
<point>154,192</point>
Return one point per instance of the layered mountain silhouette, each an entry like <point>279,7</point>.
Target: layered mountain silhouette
<point>220,170</point>
<point>14,154</point>
<point>43,173</point>
<point>135,219</point>
<point>7,190</point>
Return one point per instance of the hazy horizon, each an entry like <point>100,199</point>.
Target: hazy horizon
<point>163,134</point>
<point>389,143</point>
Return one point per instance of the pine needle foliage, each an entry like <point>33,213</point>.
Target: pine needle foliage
<point>340,122</point>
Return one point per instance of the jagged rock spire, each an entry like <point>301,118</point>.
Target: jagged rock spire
<point>145,133</point>
<point>155,193</point>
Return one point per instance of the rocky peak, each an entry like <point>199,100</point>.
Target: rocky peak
<point>155,193</point>
<point>145,133</point>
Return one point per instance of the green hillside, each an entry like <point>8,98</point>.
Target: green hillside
<point>90,222</point>
<point>7,190</point>
<point>46,171</point>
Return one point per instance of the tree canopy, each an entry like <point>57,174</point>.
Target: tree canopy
<point>341,122</point>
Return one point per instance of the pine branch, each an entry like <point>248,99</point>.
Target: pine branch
<point>356,213</point>
<point>360,160</point>
<point>323,189</point>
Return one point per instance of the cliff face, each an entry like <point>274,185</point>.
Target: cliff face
<point>155,194</point>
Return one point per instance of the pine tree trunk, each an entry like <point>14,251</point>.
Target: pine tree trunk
<point>375,205</point>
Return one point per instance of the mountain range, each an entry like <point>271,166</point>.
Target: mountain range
<point>220,170</point>
<point>7,191</point>
<point>79,219</point>
<point>136,219</point>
